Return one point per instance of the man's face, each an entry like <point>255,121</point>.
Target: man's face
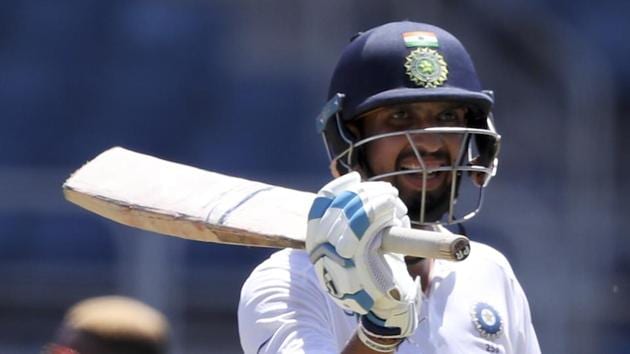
<point>399,152</point>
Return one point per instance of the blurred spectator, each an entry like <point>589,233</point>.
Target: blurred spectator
<point>111,325</point>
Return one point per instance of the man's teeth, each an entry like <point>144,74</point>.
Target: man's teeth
<point>417,168</point>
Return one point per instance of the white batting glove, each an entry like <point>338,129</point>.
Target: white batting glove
<point>345,227</point>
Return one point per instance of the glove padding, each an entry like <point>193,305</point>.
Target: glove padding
<point>344,234</point>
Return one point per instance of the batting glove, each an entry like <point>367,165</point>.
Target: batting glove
<point>345,228</point>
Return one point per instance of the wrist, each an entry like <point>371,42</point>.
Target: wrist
<point>378,344</point>
<point>375,327</point>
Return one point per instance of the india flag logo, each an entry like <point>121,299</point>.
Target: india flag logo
<point>420,39</point>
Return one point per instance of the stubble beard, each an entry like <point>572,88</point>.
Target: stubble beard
<point>437,202</point>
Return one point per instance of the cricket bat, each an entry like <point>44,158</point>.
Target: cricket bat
<point>169,198</point>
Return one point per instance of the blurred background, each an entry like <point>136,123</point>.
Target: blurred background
<point>234,86</point>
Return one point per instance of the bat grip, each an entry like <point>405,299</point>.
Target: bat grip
<point>426,244</point>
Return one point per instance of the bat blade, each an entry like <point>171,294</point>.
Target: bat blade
<point>169,198</point>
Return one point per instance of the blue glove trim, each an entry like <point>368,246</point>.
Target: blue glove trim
<point>328,250</point>
<point>319,207</point>
<point>376,325</point>
<point>375,320</point>
<point>362,298</point>
<point>359,223</point>
<point>353,209</point>
<point>349,201</point>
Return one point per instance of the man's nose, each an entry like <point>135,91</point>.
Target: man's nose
<point>427,142</point>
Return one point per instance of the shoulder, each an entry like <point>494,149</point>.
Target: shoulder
<point>486,254</point>
<point>284,265</point>
<point>485,267</point>
<point>280,299</point>
<point>284,274</point>
<point>500,288</point>
<point>481,256</point>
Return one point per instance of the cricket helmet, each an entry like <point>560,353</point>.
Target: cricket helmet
<point>404,62</point>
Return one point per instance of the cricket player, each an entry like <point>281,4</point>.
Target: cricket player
<point>412,143</point>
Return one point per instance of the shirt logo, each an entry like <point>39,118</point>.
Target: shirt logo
<point>487,320</point>
<point>426,67</point>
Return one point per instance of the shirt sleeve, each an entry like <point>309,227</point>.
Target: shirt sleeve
<point>522,336</point>
<point>526,340</point>
<point>282,310</point>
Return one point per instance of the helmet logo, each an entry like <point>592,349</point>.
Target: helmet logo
<point>420,39</point>
<point>426,67</point>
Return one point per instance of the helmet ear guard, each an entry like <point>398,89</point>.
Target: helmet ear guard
<point>487,145</point>
<point>487,157</point>
<point>337,137</point>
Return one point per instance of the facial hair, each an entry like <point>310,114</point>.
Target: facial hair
<point>436,205</point>
<point>437,200</point>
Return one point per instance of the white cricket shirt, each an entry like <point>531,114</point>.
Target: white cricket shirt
<point>283,310</point>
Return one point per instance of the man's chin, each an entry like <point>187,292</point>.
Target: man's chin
<point>436,205</point>
<point>413,260</point>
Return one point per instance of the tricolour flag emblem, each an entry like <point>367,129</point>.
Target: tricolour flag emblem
<point>420,39</point>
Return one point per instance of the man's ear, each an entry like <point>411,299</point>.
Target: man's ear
<point>478,178</point>
<point>354,129</point>
<point>334,170</point>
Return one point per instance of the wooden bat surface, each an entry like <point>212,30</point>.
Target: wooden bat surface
<point>145,192</point>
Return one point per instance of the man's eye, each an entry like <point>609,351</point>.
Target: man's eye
<point>447,116</point>
<point>451,117</point>
<point>400,115</point>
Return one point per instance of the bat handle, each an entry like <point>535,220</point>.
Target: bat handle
<point>426,244</point>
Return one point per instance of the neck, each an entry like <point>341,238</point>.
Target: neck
<point>420,267</point>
